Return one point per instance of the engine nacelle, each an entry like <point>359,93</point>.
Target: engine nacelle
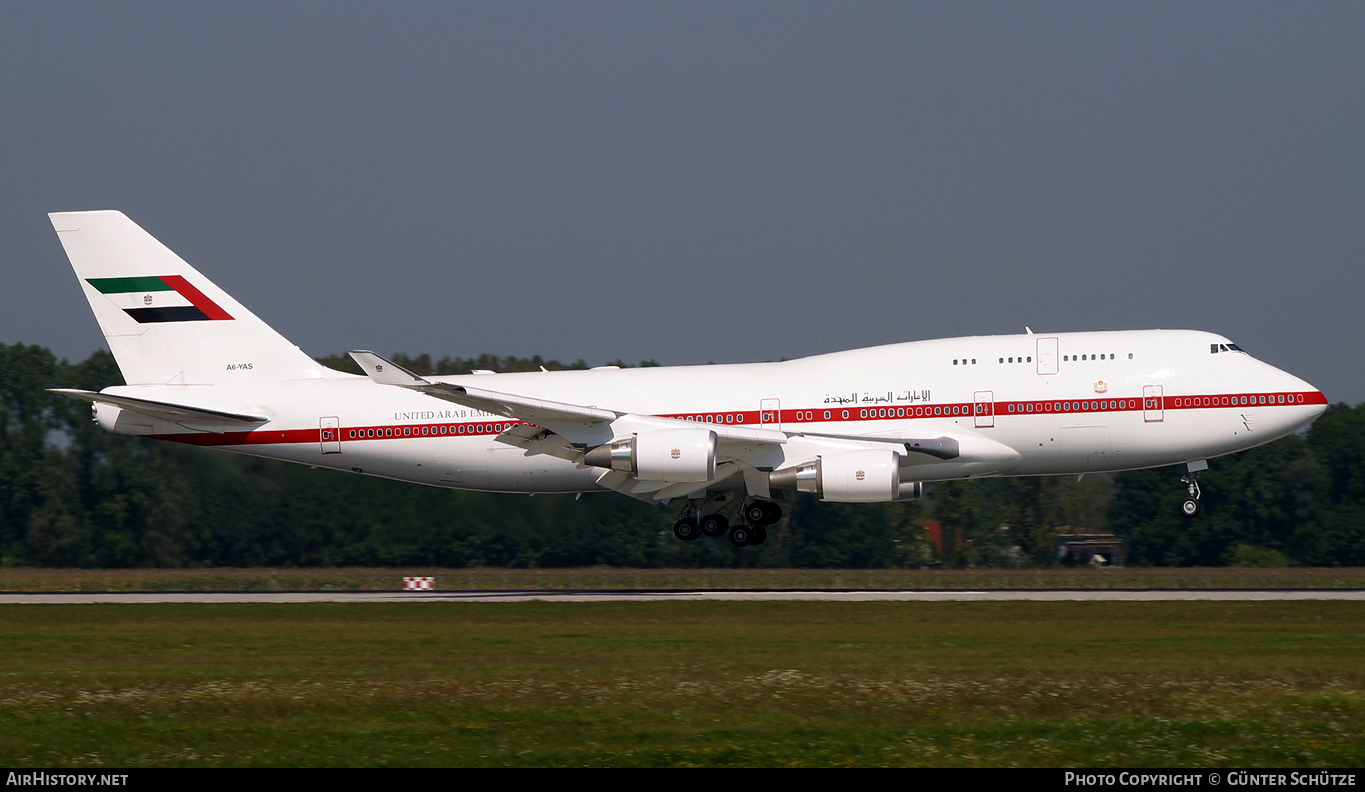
<point>662,455</point>
<point>868,476</point>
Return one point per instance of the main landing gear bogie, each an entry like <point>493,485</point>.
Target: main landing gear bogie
<point>755,517</point>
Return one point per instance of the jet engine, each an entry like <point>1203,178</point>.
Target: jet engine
<point>867,476</point>
<point>662,455</point>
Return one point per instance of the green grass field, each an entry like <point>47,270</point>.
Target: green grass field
<point>684,684</point>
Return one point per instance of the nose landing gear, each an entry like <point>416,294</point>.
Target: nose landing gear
<point>1190,506</point>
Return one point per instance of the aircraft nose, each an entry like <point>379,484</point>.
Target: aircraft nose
<point>1309,402</point>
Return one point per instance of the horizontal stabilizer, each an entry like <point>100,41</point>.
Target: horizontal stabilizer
<point>174,413</point>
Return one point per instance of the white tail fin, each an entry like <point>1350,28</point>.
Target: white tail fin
<point>166,323</point>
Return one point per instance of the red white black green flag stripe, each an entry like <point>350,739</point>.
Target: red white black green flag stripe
<point>162,298</point>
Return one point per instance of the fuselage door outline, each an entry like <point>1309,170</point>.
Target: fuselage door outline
<point>1152,407</point>
<point>984,410</point>
<point>770,413</point>
<point>1047,355</point>
<point>329,434</point>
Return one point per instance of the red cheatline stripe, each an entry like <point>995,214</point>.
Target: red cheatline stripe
<point>999,409</point>
<point>196,297</point>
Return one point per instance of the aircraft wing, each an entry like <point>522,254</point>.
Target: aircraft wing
<point>574,422</point>
<point>190,417</point>
<point>568,430</point>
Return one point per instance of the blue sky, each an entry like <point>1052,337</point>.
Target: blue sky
<point>695,182</point>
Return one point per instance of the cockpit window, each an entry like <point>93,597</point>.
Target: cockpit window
<point>1216,348</point>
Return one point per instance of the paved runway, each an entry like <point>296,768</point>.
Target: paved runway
<point>1059,595</point>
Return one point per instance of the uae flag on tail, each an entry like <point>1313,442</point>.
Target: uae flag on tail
<point>160,298</point>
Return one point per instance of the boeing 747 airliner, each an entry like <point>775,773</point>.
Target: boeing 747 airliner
<point>865,425</point>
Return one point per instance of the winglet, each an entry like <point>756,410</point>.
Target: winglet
<point>384,371</point>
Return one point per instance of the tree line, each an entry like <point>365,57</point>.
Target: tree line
<point>73,495</point>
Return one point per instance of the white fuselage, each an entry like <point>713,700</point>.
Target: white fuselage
<point>1022,404</point>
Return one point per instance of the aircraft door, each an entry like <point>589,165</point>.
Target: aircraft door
<point>984,411</point>
<point>770,413</point>
<point>329,434</point>
<point>1152,409</point>
<point>1047,356</point>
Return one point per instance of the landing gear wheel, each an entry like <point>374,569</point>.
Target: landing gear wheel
<point>686,529</point>
<point>714,524</point>
<point>760,513</point>
<point>758,536</point>
<point>1190,505</point>
<point>741,535</point>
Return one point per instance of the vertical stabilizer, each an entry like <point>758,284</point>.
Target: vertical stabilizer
<point>165,322</point>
